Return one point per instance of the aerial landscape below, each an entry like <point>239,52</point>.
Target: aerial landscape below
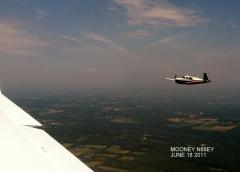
<point>119,132</point>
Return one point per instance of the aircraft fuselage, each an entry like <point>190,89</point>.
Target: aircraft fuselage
<point>190,80</point>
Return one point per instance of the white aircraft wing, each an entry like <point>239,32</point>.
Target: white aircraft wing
<point>25,148</point>
<point>170,79</point>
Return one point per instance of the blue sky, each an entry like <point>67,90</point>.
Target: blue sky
<point>117,43</point>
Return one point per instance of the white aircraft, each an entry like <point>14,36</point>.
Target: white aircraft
<point>187,79</point>
<point>25,147</point>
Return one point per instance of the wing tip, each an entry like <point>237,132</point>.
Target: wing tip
<point>170,79</point>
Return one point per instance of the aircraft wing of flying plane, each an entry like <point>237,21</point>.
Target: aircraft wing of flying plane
<point>25,147</point>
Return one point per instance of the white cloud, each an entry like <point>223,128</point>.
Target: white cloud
<point>153,13</point>
<point>108,44</point>
<point>139,33</point>
<point>73,40</point>
<point>99,38</point>
<point>170,40</point>
<point>15,41</point>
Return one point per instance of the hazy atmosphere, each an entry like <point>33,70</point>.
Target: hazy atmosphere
<point>117,43</point>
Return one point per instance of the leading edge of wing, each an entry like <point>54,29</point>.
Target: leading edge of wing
<point>15,113</point>
<point>25,148</point>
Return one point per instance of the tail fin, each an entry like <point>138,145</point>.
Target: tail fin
<point>175,76</point>
<point>205,77</point>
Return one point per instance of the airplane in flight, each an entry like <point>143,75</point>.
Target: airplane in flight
<point>190,80</point>
<point>26,147</point>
